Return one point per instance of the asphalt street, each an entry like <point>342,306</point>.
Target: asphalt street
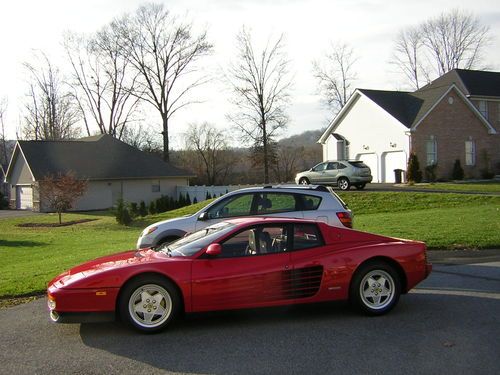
<point>448,325</point>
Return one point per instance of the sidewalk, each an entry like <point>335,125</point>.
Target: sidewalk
<point>463,256</point>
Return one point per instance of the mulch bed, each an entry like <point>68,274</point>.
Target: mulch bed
<point>14,301</point>
<point>51,225</point>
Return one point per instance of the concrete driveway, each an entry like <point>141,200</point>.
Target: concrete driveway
<point>9,214</point>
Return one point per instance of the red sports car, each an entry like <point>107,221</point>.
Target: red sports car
<point>242,263</point>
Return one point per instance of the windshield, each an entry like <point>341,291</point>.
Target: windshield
<point>194,242</point>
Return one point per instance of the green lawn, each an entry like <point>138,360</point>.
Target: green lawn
<point>30,257</point>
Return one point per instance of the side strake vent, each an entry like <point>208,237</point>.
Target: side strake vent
<point>302,282</point>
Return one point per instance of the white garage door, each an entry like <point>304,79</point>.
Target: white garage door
<point>390,162</point>
<point>371,161</point>
<point>24,197</point>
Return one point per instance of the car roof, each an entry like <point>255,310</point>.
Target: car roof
<point>288,187</point>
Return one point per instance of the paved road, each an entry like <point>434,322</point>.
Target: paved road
<point>449,325</point>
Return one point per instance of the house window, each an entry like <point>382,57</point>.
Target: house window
<point>470,153</point>
<point>482,105</point>
<point>431,151</point>
<point>155,187</point>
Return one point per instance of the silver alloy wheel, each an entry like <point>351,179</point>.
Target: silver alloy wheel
<point>377,289</point>
<point>303,181</point>
<point>150,305</point>
<point>343,184</point>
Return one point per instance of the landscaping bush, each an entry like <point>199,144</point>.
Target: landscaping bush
<point>134,210</point>
<point>4,204</point>
<point>458,172</point>
<point>152,207</point>
<point>430,173</point>
<point>121,214</point>
<point>414,172</point>
<point>142,209</point>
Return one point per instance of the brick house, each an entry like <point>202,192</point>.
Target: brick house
<point>112,168</point>
<point>457,116</point>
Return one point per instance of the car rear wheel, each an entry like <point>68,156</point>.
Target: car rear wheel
<point>375,288</point>
<point>304,181</point>
<point>149,303</point>
<point>343,183</point>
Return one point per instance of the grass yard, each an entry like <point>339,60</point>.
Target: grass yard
<point>30,257</point>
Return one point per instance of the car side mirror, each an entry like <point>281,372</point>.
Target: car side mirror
<point>203,216</point>
<point>214,249</point>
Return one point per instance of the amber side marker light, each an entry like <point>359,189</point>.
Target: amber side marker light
<point>100,293</point>
<point>345,218</point>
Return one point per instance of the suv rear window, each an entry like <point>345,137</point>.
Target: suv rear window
<point>358,164</point>
<point>311,202</point>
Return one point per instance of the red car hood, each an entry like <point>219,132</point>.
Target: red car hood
<point>107,263</point>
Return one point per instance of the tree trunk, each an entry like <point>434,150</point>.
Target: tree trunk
<point>166,155</point>
<point>266,156</point>
<point>60,219</point>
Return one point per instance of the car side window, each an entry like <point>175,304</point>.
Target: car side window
<point>239,205</point>
<point>341,166</point>
<point>260,240</point>
<point>306,236</point>
<point>311,202</point>
<point>332,166</point>
<point>320,167</point>
<point>268,203</point>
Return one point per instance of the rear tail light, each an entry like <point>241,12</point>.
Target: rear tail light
<point>345,218</point>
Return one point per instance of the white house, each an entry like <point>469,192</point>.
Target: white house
<point>112,168</point>
<point>455,117</point>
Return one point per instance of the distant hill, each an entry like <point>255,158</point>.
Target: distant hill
<point>307,138</point>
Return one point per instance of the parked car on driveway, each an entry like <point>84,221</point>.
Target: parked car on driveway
<point>309,202</point>
<point>342,173</point>
<point>242,263</point>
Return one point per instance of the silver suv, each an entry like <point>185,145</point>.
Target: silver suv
<point>310,202</point>
<point>343,173</point>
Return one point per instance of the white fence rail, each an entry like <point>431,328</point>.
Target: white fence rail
<point>200,192</point>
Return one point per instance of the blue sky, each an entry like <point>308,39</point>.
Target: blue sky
<point>369,26</point>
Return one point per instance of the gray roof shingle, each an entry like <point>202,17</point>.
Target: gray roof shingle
<point>95,158</point>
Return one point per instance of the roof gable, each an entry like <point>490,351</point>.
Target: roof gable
<point>95,158</point>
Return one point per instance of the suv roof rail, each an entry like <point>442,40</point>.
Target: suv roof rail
<point>293,186</point>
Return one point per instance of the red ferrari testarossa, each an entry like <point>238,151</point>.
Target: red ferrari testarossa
<point>242,263</point>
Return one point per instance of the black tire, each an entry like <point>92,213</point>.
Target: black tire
<point>360,186</point>
<point>375,288</point>
<point>151,312</point>
<point>304,181</point>
<point>343,183</point>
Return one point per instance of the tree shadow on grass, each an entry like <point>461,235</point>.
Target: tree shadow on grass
<point>7,243</point>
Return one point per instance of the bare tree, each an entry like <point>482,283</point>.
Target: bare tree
<point>260,83</point>
<point>286,163</point>
<point>164,51</point>
<point>61,191</point>
<point>453,40</point>
<point>103,81</point>
<point>212,148</point>
<point>408,55</point>
<point>4,159</point>
<point>335,75</point>
<point>50,112</point>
